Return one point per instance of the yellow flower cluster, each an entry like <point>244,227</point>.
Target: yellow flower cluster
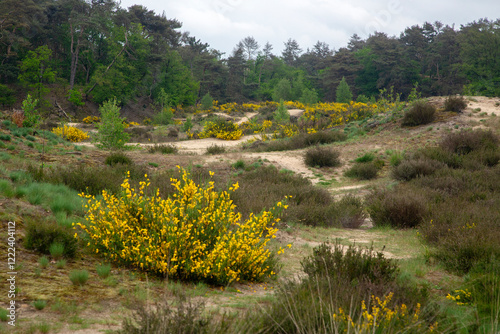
<point>339,113</point>
<point>461,297</point>
<point>91,119</point>
<point>225,130</point>
<point>295,105</point>
<point>377,317</point>
<point>195,234</point>
<point>71,133</point>
<point>284,131</point>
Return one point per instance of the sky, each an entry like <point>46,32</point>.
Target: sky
<point>223,23</point>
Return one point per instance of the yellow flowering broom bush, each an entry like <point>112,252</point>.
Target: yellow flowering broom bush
<point>379,318</point>
<point>221,129</point>
<point>195,234</point>
<point>71,133</point>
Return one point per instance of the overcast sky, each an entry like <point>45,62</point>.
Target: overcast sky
<point>223,23</point>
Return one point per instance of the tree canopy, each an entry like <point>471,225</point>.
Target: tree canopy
<point>101,51</point>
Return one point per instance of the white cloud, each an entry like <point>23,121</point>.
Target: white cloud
<point>223,23</point>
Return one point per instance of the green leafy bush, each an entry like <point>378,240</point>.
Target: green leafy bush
<point>216,149</point>
<point>464,142</point>
<point>421,112</point>
<point>111,133</point>
<point>349,212</point>
<point>31,117</point>
<point>302,140</point>
<point>338,277</point>
<point>350,263</point>
<point>367,157</point>
<point>362,171</point>
<point>413,168</point>
<point>403,208</point>
<point>281,115</point>
<point>117,158</point>
<point>455,104</point>
<point>322,157</point>
<point>206,102</point>
<point>164,117</point>
<point>40,304</point>
<point>41,235</point>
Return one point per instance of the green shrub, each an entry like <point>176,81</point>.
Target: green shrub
<point>240,164</point>
<point>117,158</point>
<point>111,133</point>
<point>352,263</point>
<point>5,137</point>
<point>6,188</point>
<point>79,277</point>
<point>455,104</point>
<point>206,102</point>
<point>413,168</point>
<point>421,112</point>
<point>187,125</point>
<point>349,212</point>
<point>41,235</point>
<point>265,185</point>
<point>464,230</point>
<point>464,142</point>
<point>40,304</point>
<point>179,316</point>
<point>103,270</point>
<point>43,261</point>
<point>61,264</point>
<point>396,158</point>
<point>281,115</point>
<point>31,116</point>
<point>4,314</point>
<point>337,277</point>
<point>164,117</point>
<point>367,157</point>
<point>301,140</point>
<point>56,250</point>
<point>401,208</point>
<point>215,149</point>
<point>89,179</point>
<point>362,171</point>
<point>322,157</point>
<point>163,148</point>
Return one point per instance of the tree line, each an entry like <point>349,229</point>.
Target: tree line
<point>98,51</point>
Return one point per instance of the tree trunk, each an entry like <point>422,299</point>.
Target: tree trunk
<point>74,56</point>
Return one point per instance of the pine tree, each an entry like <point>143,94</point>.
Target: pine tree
<point>343,93</point>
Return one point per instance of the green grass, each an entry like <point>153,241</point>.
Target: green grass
<point>57,198</point>
<point>103,270</point>
<point>79,277</point>
<point>43,261</point>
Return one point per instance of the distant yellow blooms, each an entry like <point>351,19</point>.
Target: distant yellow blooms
<point>71,133</point>
<point>222,130</point>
